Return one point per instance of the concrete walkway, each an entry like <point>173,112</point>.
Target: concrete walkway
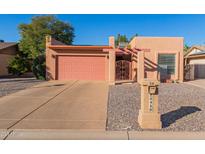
<point>198,83</point>
<point>98,135</point>
<point>56,105</point>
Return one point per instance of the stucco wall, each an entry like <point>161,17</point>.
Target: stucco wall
<point>4,58</point>
<point>50,64</point>
<point>52,57</point>
<point>158,45</point>
<point>51,60</point>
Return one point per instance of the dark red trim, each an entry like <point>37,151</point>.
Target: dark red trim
<point>70,47</point>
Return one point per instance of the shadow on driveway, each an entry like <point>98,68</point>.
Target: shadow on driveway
<point>20,80</point>
<point>55,85</point>
<point>170,117</point>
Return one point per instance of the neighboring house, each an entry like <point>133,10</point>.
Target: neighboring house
<point>195,63</point>
<point>7,51</point>
<point>144,57</point>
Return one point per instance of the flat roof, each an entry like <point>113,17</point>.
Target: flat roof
<point>159,37</point>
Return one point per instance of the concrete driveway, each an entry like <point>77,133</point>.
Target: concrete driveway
<point>56,105</point>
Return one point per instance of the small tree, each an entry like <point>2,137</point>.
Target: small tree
<point>1,41</point>
<point>121,38</point>
<point>32,43</point>
<point>39,67</point>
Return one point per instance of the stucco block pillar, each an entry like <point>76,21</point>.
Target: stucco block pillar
<point>177,68</point>
<point>149,118</point>
<point>156,73</point>
<point>140,66</point>
<point>112,67</point>
<point>181,67</point>
<point>112,41</point>
<point>48,56</point>
<point>112,60</point>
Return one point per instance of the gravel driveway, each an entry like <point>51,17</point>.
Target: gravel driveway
<point>12,85</point>
<point>182,107</point>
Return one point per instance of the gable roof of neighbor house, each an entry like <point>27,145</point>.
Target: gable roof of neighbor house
<point>4,45</point>
<point>9,48</point>
<point>199,47</point>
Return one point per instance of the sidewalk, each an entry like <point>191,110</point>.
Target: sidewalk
<point>97,135</point>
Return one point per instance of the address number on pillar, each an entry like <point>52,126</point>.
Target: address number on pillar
<point>151,97</point>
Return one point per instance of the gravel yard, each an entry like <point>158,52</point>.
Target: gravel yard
<point>182,107</point>
<point>12,85</point>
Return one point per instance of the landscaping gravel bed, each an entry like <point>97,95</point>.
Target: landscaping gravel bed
<point>182,107</point>
<point>12,85</point>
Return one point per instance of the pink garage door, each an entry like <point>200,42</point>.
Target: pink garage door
<point>81,68</point>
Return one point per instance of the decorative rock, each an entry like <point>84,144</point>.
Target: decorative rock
<point>182,107</point>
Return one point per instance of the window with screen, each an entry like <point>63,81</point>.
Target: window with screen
<point>166,63</point>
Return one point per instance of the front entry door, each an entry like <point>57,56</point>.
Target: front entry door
<point>123,70</point>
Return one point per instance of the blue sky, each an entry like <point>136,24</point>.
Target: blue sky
<point>95,29</point>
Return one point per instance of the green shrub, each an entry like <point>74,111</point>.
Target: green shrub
<point>18,65</point>
<point>39,67</point>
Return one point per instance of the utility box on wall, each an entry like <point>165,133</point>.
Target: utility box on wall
<point>149,117</point>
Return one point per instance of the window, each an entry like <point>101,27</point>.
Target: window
<point>166,63</point>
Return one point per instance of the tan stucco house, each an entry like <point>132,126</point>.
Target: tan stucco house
<point>144,57</point>
<point>195,63</point>
<point>7,51</point>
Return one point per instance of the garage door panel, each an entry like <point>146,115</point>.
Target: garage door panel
<point>81,68</point>
<point>200,71</point>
